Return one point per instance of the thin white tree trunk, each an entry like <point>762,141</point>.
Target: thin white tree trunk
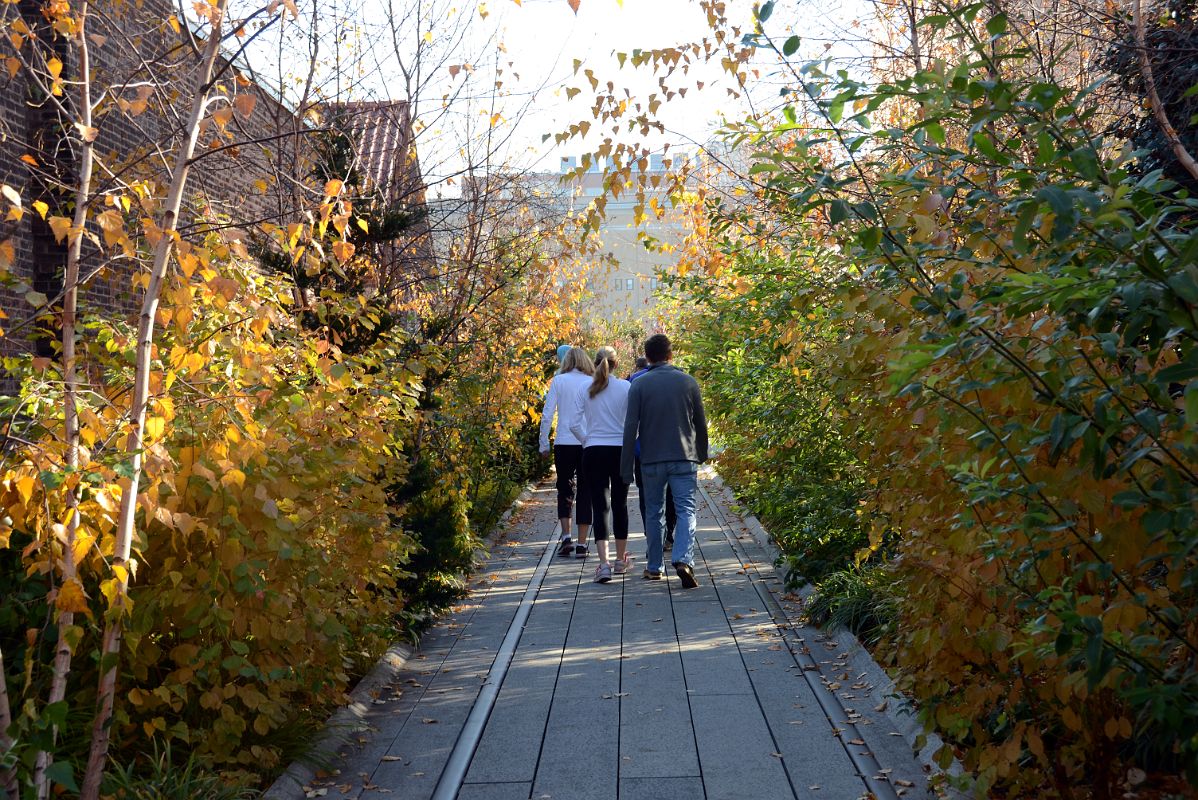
<point>8,780</point>
<point>167,224</point>
<point>62,654</point>
<point>1154,99</point>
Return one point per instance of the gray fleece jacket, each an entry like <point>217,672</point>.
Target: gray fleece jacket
<point>665,410</point>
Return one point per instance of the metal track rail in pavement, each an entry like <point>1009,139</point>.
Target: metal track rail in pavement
<point>454,774</point>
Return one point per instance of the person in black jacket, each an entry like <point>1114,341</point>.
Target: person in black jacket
<point>665,411</point>
<point>642,367</point>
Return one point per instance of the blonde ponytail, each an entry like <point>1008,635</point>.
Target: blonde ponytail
<point>605,363</point>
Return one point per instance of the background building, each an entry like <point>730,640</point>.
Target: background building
<point>624,281</point>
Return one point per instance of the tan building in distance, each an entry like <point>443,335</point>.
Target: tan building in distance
<point>627,285</point>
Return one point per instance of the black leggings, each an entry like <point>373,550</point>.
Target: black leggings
<point>567,458</point>
<point>609,493</point>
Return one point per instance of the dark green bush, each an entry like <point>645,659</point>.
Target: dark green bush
<point>864,600</point>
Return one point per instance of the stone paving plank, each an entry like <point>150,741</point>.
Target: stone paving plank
<point>736,749</point>
<point>861,702</point>
<point>580,759</point>
<point>755,630</point>
<point>511,740</point>
<point>656,738</point>
<point>495,791</point>
<point>814,755</point>
<point>392,716</point>
<point>709,656</point>
<point>661,789</point>
<point>634,689</point>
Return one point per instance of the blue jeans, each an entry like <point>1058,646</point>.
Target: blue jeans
<point>682,478</point>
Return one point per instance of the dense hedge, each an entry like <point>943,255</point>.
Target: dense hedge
<point>953,325</point>
<point>302,509</point>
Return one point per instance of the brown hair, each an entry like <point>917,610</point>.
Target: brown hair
<point>605,364</point>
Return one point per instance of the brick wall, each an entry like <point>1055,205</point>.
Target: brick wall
<point>133,46</point>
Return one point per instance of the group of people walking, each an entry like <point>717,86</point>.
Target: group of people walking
<point>611,432</point>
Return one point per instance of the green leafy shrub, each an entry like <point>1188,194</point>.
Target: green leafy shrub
<point>864,600</point>
<point>1000,319</point>
<point>781,434</point>
<point>159,776</point>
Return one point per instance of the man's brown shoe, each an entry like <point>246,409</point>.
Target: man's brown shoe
<point>651,574</point>
<point>686,575</point>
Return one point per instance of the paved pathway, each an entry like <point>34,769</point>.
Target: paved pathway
<point>633,690</point>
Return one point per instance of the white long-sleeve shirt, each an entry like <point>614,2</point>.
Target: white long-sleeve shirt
<point>599,420</point>
<point>564,390</point>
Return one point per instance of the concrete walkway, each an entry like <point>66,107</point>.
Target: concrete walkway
<point>632,690</point>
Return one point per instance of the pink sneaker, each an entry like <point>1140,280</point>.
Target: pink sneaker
<point>624,564</point>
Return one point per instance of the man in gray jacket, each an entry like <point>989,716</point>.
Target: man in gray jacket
<point>665,410</point>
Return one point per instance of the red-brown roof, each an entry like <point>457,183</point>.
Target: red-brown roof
<point>381,132</point>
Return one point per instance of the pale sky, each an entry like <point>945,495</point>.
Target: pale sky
<point>548,37</point>
<point>544,37</point>
<point>540,40</point>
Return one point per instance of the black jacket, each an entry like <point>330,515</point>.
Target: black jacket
<point>665,410</point>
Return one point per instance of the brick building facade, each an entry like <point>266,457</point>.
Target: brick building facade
<point>259,168</point>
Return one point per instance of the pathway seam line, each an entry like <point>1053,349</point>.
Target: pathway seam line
<point>716,516</point>
<point>867,764</point>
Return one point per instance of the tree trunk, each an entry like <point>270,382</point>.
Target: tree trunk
<point>8,780</point>
<point>66,619</point>
<point>167,225</point>
<point>1154,99</point>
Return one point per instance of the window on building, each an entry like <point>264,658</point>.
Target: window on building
<point>653,283</point>
<point>617,283</point>
<point>630,284</point>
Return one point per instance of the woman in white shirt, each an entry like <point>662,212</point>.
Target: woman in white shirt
<point>568,385</point>
<point>598,422</point>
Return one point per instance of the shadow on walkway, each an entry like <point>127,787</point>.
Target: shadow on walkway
<point>631,690</point>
